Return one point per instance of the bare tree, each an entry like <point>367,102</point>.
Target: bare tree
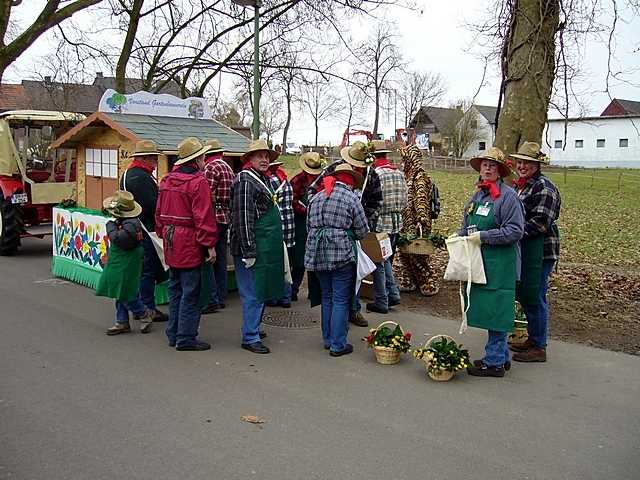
<point>462,130</point>
<point>52,14</point>
<point>228,114</point>
<point>319,101</point>
<point>419,89</point>
<point>379,59</point>
<point>354,107</point>
<point>271,119</point>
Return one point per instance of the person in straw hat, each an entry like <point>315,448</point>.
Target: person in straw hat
<point>394,201</point>
<point>185,220</point>
<point>415,272</point>
<point>336,220</point>
<point>494,219</point>
<point>220,176</point>
<point>120,278</point>
<point>139,179</point>
<point>540,248</point>
<point>311,165</point>
<point>256,242</point>
<point>359,157</point>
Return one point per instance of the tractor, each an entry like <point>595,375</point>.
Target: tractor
<point>33,179</point>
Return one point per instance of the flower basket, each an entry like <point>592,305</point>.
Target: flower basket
<point>520,333</point>
<point>388,343</point>
<point>417,246</point>
<point>442,357</point>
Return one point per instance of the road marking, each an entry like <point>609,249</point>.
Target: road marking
<point>52,281</point>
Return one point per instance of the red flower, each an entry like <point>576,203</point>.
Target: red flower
<point>82,226</point>
<point>370,339</point>
<point>407,336</point>
<point>78,242</point>
<point>509,163</point>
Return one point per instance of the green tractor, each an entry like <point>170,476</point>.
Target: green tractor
<point>33,179</point>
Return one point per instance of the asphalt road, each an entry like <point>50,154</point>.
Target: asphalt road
<point>76,404</point>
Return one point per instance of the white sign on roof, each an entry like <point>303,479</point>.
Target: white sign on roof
<point>161,105</point>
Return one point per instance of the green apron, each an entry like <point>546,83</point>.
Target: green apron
<point>532,252</point>
<point>120,278</point>
<point>297,259</point>
<point>492,305</point>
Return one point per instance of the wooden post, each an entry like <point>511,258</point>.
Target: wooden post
<point>564,169</point>
<point>619,181</point>
<point>593,173</point>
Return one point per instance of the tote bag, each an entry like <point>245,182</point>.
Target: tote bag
<point>365,266</point>
<point>465,265</point>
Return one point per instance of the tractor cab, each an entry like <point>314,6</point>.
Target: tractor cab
<point>33,178</point>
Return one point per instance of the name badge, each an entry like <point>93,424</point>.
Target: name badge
<point>483,210</point>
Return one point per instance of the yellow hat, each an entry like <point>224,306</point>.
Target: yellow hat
<point>311,162</point>
<point>189,149</point>
<point>145,147</point>
<point>356,155</point>
<point>260,145</point>
<point>122,205</point>
<point>496,155</point>
<point>215,145</point>
<point>345,168</point>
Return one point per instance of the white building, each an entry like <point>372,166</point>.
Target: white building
<point>485,133</point>
<point>605,141</point>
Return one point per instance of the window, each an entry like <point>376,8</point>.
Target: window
<point>624,142</point>
<point>101,163</point>
<point>482,145</point>
<point>600,143</point>
<point>557,144</point>
<point>579,143</point>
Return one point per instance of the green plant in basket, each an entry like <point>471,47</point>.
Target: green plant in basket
<point>443,355</point>
<point>436,238</point>
<point>390,338</point>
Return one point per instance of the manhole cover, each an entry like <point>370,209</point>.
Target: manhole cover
<point>290,319</point>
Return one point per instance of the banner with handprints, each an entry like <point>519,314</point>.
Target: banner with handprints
<point>80,235</point>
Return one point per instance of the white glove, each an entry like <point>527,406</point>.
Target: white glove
<point>248,262</point>
<point>453,235</point>
<point>475,238</point>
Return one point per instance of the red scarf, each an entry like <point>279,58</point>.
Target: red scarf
<point>384,163</point>
<point>520,182</point>
<point>278,172</point>
<point>329,181</point>
<point>492,187</point>
<point>142,165</point>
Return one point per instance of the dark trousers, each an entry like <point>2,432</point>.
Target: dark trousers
<point>184,311</point>
<point>297,275</point>
<point>219,275</point>
<point>151,265</point>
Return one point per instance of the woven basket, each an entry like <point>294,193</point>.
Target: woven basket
<point>386,355</point>
<point>419,246</point>
<point>520,333</point>
<point>445,375</point>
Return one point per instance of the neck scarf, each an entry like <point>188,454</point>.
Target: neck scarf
<point>384,163</point>
<point>142,165</point>
<point>491,187</point>
<point>520,182</point>
<point>278,172</point>
<point>329,182</point>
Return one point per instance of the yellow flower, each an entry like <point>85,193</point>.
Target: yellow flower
<point>85,248</point>
<point>103,247</point>
<point>65,241</point>
<point>90,230</point>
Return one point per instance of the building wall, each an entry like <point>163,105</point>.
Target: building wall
<point>611,154</point>
<point>485,134</point>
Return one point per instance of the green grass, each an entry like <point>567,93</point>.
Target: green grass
<point>598,224</point>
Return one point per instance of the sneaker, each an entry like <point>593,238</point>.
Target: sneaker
<point>119,328</point>
<point>257,347</point>
<point>284,303</point>
<point>199,346</point>
<point>522,347</point>
<point>271,303</point>
<point>507,364</point>
<point>372,307</point>
<point>222,305</point>
<point>357,319</point>
<point>535,354</point>
<point>348,348</point>
<point>159,316</point>
<point>146,320</point>
<point>211,308</point>
<point>483,370</point>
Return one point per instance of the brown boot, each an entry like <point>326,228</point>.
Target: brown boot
<point>118,328</point>
<point>535,354</point>
<point>357,319</point>
<point>522,347</point>
<point>146,321</point>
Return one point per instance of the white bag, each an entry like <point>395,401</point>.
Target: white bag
<point>465,264</point>
<point>365,266</point>
<point>158,245</point>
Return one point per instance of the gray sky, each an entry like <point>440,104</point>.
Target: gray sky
<point>438,41</point>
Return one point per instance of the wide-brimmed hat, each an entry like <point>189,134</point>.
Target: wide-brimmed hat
<point>215,145</point>
<point>380,146</point>
<point>311,162</point>
<point>344,168</point>
<point>496,155</point>
<point>189,149</point>
<point>275,164</point>
<point>531,151</point>
<point>356,155</point>
<point>122,205</point>
<point>145,147</point>
<point>260,145</point>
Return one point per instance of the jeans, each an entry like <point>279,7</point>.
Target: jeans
<point>123,308</point>
<point>496,349</point>
<point>219,275</point>
<point>251,309</point>
<point>538,315</point>
<point>337,289</point>
<point>184,311</point>
<point>384,285</point>
<point>151,265</point>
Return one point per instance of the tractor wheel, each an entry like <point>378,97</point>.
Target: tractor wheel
<point>10,227</point>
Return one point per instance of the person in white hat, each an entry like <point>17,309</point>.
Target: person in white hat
<point>185,220</point>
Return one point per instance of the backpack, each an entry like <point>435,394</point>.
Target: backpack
<point>435,201</point>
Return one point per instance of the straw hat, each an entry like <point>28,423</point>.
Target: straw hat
<point>496,155</point>
<point>344,168</point>
<point>189,149</point>
<point>145,147</point>
<point>215,145</point>
<point>356,155</point>
<point>380,146</point>
<point>531,151</point>
<point>311,162</point>
<point>260,146</point>
<point>122,205</point>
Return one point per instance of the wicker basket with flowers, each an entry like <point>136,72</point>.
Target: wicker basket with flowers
<point>388,343</point>
<point>443,357</point>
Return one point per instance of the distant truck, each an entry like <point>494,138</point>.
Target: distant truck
<point>32,178</point>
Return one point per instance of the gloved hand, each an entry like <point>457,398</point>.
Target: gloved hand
<point>248,262</point>
<point>475,238</point>
<point>453,235</point>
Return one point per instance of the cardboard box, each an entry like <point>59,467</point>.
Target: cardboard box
<point>366,288</point>
<point>377,246</point>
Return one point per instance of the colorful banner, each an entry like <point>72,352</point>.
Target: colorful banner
<point>161,105</point>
